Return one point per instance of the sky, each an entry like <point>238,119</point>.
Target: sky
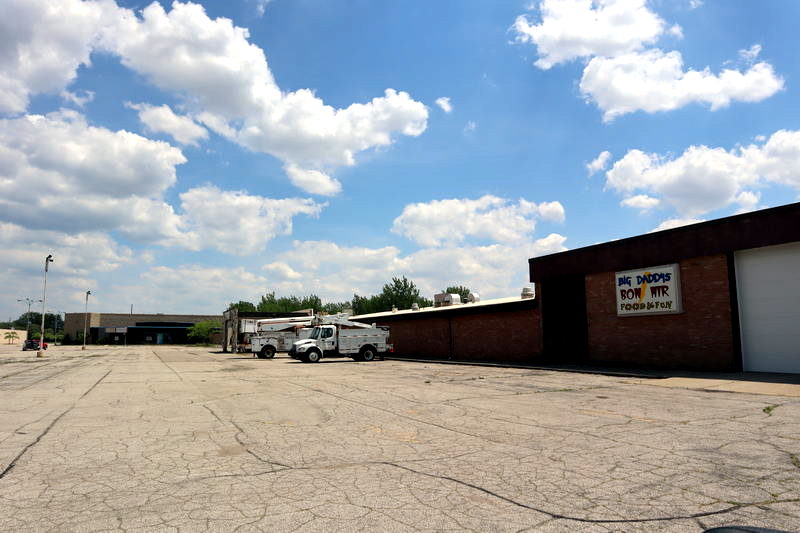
<point>180,156</point>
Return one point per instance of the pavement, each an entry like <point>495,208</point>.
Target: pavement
<point>168,438</point>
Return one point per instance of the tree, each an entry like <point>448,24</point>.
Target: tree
<point>11,336</point>
<point>286,304</point>
<point>201,332</point>
<point>461,290</point>
<point>242,306</point>
<point>401,293</point>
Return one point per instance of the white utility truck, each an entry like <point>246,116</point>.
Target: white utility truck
<point>336,336</point>
<point>278,335</point>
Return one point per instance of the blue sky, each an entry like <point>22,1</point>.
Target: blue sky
<point>181,156</point>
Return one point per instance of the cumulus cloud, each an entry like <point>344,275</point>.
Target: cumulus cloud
<point>641,201</point>
<point>444,104</point>
<point>624,73</point>
<point>703,179</point>
<point>161,119</point>
<point>43,43</point>
<point>78,258</point>
<point>227,81</point>
<point>599,163</point>
<point>654,81</point>
<point>570,29</point>
<point>671,223</point>
<point>452,221</point>
<point>224,80</point>
<point>493,270</point>
<point>57,171</point>
<point>235,222</point>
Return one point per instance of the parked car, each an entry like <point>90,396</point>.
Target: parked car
<point>32,344</point>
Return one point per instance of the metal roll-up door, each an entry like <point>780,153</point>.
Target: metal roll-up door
<point>768,285</point>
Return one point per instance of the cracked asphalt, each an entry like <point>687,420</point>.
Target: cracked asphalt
<point>182,438</point>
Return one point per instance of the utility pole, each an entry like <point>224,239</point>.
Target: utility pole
<point>47,261</point>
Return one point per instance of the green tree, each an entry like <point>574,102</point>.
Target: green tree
<point>11,336</point>
<point>243,306</point>
<point>461,290</point>
<point>401,293</point>
<point>285,304</point>
<point>201,332</point>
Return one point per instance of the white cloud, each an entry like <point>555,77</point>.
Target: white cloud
<point>750,54</point>
<point>571,29</point>
<point>42,44</point>
<point>641,201</point>
<point>57,171</point>
<point>228,84</point>
<point>694,4</point>
<point>161,119</point>
<point>655,81</point>
<point>452,221</point>
<point>676,223</point>
<point>313,181</point>
<point>77,99</point>
<point>704,179</point>
<point>444,103</point>
<point>78,258</point>
<point>470,127</point>
<point>599,163</point>
<point>493,270</point>
<point>238,223</point>
<point>622,75</point>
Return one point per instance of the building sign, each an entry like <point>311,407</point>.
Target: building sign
<point>649,291</point>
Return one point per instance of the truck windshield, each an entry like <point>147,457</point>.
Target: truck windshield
<point>315,333</point>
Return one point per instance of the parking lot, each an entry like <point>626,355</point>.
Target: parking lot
<point>185,438</point>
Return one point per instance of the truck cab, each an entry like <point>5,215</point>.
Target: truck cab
<point>343,338</point>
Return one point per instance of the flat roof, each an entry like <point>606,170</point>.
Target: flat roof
<point>483,305</point>
<point>766,227</point>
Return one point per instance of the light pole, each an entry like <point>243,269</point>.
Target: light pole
<point>29,301</point>
<point>47,261</point>
<point>85,318</point>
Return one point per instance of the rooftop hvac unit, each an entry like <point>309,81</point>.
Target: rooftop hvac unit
<point>415,306</point>
<point>445,300</point>
<point>474,297</point>
<point>527,292</point>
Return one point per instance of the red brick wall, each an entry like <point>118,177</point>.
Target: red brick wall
<point>512,336</point>
<point>700,338</point>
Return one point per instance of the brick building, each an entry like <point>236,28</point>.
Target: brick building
<point>118,328</point>
<point>505,329</point>
<point>720,295</point>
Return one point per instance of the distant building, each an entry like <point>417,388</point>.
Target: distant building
<point>119,328</point>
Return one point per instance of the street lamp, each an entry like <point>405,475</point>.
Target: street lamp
<point>85,318</point>
<point>47,261</point>
<point>29,301</point>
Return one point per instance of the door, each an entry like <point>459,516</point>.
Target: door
<point>768,285</point>
<point>564,326</point>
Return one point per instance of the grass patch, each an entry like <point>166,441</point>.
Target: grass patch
<point>768,409</point>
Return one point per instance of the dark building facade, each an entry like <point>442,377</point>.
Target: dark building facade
<point>730,302</point>
<point>123,328</point>
<point>506,329</point>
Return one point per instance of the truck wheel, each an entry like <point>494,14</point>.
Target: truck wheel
<point>313,356</point>
<point>367,353</point>
<point>267,352</point>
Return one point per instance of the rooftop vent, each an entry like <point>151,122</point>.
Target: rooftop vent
<point>527,293</point>
<point>445,300</point>
<point>415,306</point>
<point>474,297</point>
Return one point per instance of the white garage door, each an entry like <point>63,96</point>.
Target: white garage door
<point>768,281</point>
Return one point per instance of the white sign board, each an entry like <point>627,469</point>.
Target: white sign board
<point>649,291</point>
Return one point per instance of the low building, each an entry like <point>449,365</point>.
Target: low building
<point>504,329</point>
<point>722,295</point>
<point>123,328</point>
